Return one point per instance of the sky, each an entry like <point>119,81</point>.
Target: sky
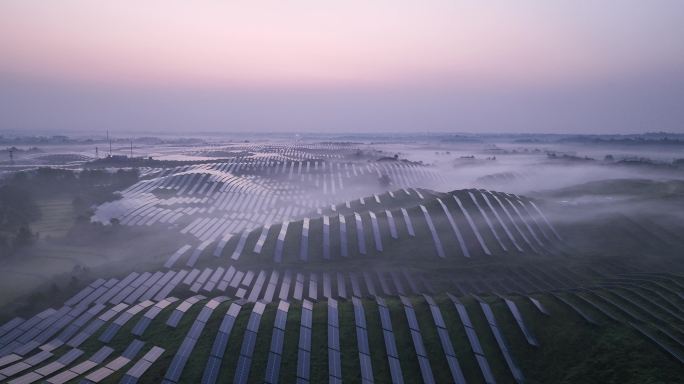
<point>557,66</point>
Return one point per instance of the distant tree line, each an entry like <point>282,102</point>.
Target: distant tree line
<point>20,191</point>
<point>17,209</point>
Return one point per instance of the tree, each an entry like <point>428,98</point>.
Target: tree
<point>17,207</point>
<point>384,180</point>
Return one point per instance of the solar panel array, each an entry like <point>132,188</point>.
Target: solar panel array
<point>184,352</point>
<point>626,300</point>
<point>304,345</point>
<point>362,341</point>
<point>218,348</point>
<point>445,341</point>
<point>248,342</point>
<point>418,345</point>
<point>334,351</point>
<point>474,341</point>
<point>277,339</point>
<point>501,341</point>
<point>390,342</point>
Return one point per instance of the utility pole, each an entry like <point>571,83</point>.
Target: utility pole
<point>110,144</point>
<point>11,154</point>
<point>97,153</point>
<point>131,148</point>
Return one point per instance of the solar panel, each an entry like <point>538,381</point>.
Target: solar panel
<point>305,338</point>
<point>485,369</point>
<point>366,367</point>
<point>101,354</point>
<point>431,226</point>
<point>174,318</point>
<point>437,316</point>
<point>333,338</point>
<point>341,286</point>
<point>306,317</point>
<point>195,330</point>
<point>385,317</point>
<point>242,370</point>
<point>248,343</point>
<point>418,343</point>
<point>109,333</point>
<point>277,340</point>
<point>362,340</point>
<point>447,346</point>
<point>425,370</point>
<point>303,364</point>
<point>334,363</point>
<point>272,368</point>
<point>176,367</point>
<point>395,370</point>
<point>390,344</point>
<point>233,310</point>
<point>474,340</point>
<point>133,349</point>
<point>411,318</point>
<point>211,371</point>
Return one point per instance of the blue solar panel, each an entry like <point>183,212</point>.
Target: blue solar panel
<point>303,364</point>
<point>253,323</point>
<point>412,321</point>
<point>109,333</point>
<point>425,370</point>
<point>385,318</point>
<point>204,314</point>
<point>366,367</point>
<point>127,379</point>
<point>333,317</point>
<point>305,338</point>
<point>272,368</point>
<point>463,314</point>
<point>248,343</point>
<point>133,349</point>
<point>418,343</point>
<point>220,344</point>
<point>474,341</point>
<point>395,370</point>
<point>211,371</point>
<point>186,347</point>
<point>362,340</point>
<point>334,338</point>
<point>141,326</point>
<point>334,364</point>
<point>390,344</point>
<point>175,318</point>
<point>70,356</point>
<point>446,342</point>
<point>455,368</point>
<point>437,316</point>
<point>306,318</point>
<point>176,368</point>
<point>485,369</point>
<point>227,324</point>
<point>280,320</point>
<point>359,315</point>
<point>277,340</point>
<point>195,330</point>
<point>101,354</point>
<point>242,370</point>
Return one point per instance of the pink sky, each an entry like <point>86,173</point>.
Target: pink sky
<point>304,44</point>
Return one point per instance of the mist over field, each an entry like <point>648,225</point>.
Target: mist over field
<point>342,192</point>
